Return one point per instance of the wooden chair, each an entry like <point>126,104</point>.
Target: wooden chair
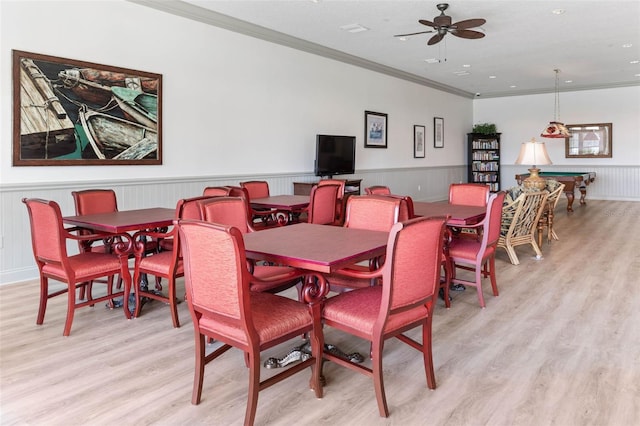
<point>341,204</point>
<point>223,307</point>
<point>377,190</point>
<point>256,188</point>
<point>404,301</point>
<point>231,211</point>
<point>479,256</point>
<point>49,241</point>
<point>519,222</point>
<point>259,219</point>
<point>216,191</point>
<point>546,218</point>
<point>373,212</point>
<point>470,194</point>
<point>165,264</point>
<point>323,203</point>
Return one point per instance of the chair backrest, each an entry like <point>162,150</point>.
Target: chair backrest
<point>470,194</point>
<point>256,188</point>
<point>220,288</point>
<point>529,208</point>
<point>406,207</point>
<point>188,208</point>
<point>322,204</point>
<point>377,190</point>
<point>341,182</point>
<point>411,272</point>
<point>92,201</point>
<point>492,220</point>
<point>228,211</point>
<point>374,212</point>
<point>554,196</point>
<point>216,191</point>
<point>47,231</point>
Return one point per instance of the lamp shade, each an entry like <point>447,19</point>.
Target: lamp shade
<point>555,129</point>
<point>534,153</point>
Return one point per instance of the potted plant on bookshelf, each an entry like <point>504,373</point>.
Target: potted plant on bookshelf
<point>485,129</point>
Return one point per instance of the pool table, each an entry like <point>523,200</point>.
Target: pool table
<point>571,181</point>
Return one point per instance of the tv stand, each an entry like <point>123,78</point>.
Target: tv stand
<point>351,187</point>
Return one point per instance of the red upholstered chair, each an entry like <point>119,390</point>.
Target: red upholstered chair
<point>165,264</point>
<point>256,188</point>
<point>373,212</point>
<point>404,301</point>
<point>223,307</point>
<point>470,194</point>
<point>259,219</point>
<point>341,204</point>
<point>231,211</point>
<point>322,204</point>
<point>377,190</point>
<point>49,241</point>
<point>479,255</point>
<point>216,191</point>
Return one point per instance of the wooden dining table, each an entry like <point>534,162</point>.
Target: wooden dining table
<point>317,250</point>
<point>124,223</point>
<point>287,207</point>
<point>459,214</point>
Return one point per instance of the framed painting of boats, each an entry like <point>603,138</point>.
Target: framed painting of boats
<point>75,113</point>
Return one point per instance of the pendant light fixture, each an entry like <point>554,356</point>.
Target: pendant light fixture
<point>556,129</point>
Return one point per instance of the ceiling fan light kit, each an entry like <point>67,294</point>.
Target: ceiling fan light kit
<point>442,25</point>
<point>556,129</point>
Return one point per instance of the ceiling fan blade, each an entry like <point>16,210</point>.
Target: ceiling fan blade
<point>410,34</point>
<point>469,23</point>
<point>467,33</point>
<point>427,23</point>
<point>435,39</point>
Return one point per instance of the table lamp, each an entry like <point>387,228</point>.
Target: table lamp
<point>534,153</point>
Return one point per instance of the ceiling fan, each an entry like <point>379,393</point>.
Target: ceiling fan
<point>442,25</point>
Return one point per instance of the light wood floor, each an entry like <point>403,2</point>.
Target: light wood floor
<point>559,346</point>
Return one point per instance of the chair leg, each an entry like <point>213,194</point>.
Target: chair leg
<point>492,275</point>
<point>198,377</point>
<point>536,248</point>
<point>44,296</point>
<point>254,386</point>
<point>71,306</point>
<point>513,257</point>
<point>479,286</point>
<point>427,352</point>
<point>378,381</point>
<point>173,303</point>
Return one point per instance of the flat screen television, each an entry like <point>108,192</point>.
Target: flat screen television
<point>335,155</point>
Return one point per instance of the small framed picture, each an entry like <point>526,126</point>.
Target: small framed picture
<point>418,141</point>
<point>375,129</point>
<point>438,132</point>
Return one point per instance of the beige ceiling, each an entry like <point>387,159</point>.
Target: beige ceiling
<point>523,45</point>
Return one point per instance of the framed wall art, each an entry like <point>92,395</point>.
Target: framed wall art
<point>418,142</point>
<point>375,129</point>
<point>438,132</point>
<point>589,141</point>
<point>70,113</point>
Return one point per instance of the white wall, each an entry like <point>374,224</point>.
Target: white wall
<point>520,118</point>
<point>232,104</point>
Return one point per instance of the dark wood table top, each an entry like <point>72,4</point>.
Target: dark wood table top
<point>124,220</point>
<point>317,248</point>
<point>282,202</point>
<point>460,214</point>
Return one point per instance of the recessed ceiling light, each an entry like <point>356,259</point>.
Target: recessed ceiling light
<point>635,62</point>
<point>466,66</point>
<point>354,28</point>
<point>492,76</point>
<point>513,86</point>
<point>637,75</point>
<point>558,11</point>
<point>461,72</point>
<point>402,38</point>
<point>627,45</point>
<point>432,60</point>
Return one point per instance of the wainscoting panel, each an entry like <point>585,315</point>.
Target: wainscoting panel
<point>16,256</point>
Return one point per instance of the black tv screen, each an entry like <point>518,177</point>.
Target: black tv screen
<point>335,155</point>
